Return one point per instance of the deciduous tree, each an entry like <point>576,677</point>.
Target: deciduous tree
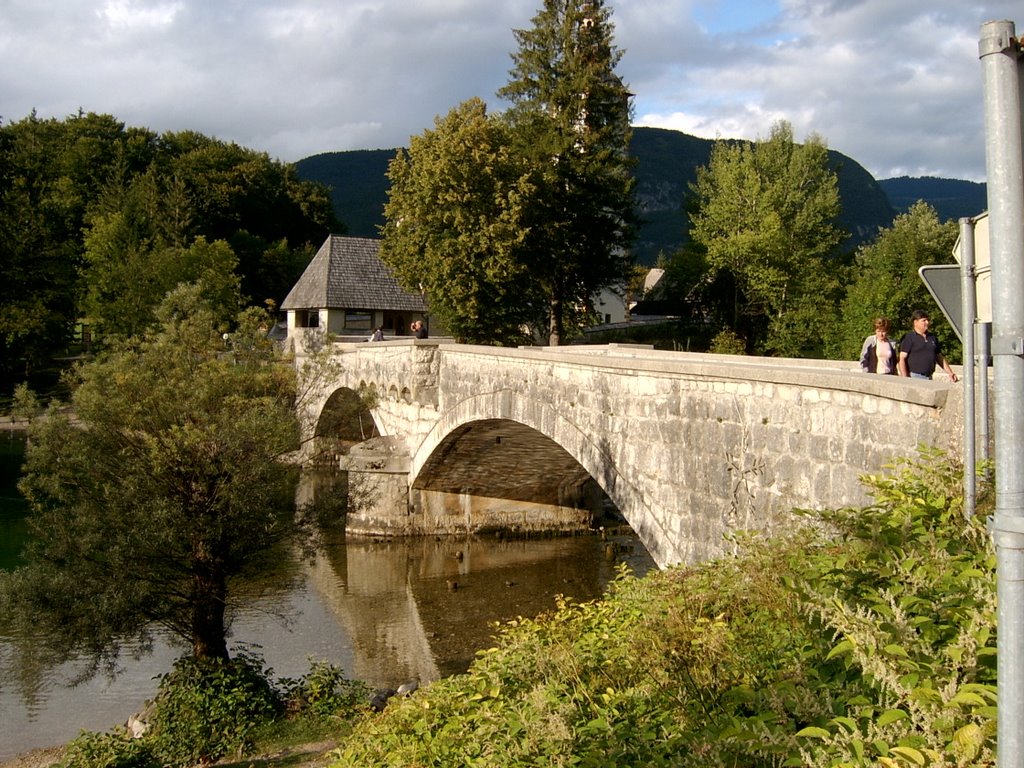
<point>61,178</point>
<point>457,224</point>
<point>168,484</point>
<point>764,213</point>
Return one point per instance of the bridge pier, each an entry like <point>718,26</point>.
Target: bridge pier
<point>378,488</point>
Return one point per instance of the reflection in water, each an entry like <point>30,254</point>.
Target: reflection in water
<point>387,612</point>
<point>419,609</point>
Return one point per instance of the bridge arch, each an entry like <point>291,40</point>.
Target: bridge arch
<point>342,421</point>
<point>485,419</point>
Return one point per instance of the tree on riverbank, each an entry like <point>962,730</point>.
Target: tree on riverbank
<point>169,484</point>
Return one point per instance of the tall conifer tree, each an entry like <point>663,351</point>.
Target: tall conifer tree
<point>571,113</point>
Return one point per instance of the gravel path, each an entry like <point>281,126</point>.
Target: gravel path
<point>37,758</point>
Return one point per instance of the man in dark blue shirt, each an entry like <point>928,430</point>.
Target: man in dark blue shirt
<point>919,350</point>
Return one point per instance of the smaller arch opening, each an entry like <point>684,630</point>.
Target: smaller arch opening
<point>345,420</point>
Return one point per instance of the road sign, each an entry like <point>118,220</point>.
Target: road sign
<point>943,283</point>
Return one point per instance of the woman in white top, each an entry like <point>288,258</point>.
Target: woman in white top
<point>879,354</point>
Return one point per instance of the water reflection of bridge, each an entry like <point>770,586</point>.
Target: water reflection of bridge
<point>394,600</point>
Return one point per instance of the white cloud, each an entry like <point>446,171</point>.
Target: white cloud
<point>896,86</point>
<point>132,14</point>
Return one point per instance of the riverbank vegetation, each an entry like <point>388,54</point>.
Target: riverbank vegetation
<point>100,220</point>
<point>863,637</point>
<point>866,637</point>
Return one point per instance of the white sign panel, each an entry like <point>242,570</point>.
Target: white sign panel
<point>982,267</point>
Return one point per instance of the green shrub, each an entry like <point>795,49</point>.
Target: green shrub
<point>909,604</point>
<point>108,750</point>
<point>325,691</point>
<point>208,708</point>
<point>726,342</point>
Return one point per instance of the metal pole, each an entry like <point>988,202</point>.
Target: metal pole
<point>969,308</point>
<point>984,335</point>
<point>999,52</point>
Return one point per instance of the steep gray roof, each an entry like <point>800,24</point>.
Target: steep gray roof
<point>347,273</point>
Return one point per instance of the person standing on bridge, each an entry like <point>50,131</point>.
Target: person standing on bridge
<point>878,353</point>
<point>920,352</point>
<point>419,330</point>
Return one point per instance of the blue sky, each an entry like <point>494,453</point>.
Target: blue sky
<point>736,16</point>
<point>894,84</point>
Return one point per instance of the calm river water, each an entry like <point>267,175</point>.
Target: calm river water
<point>387,612</point>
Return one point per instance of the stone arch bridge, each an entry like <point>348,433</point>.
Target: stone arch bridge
<point>687,446</point>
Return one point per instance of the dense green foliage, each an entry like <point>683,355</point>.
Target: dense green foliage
<point>358,181</point>
<point>885,282</point>
<point>864,638</point>
<point>169,482</point>
<point>141,200</point>
<point>206,709</point>
<point>456,227</point>
<point>764,226</point>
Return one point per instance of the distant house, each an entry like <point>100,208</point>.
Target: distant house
<point>615,305</point>
<point>610,305</point>
<point>348,291</point>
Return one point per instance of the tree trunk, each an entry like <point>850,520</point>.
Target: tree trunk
<point>556,327</point>
<point>209,591</point>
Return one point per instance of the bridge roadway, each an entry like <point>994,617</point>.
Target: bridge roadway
<point>689,447</point>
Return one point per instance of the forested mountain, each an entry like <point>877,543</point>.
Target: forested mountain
<point>358,183</point>
<point>667,163</point>
<point>951,198</point>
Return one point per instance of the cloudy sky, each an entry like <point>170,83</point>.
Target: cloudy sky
<point>894,84</point>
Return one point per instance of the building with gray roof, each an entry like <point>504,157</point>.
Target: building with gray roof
<point>348,291</point>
